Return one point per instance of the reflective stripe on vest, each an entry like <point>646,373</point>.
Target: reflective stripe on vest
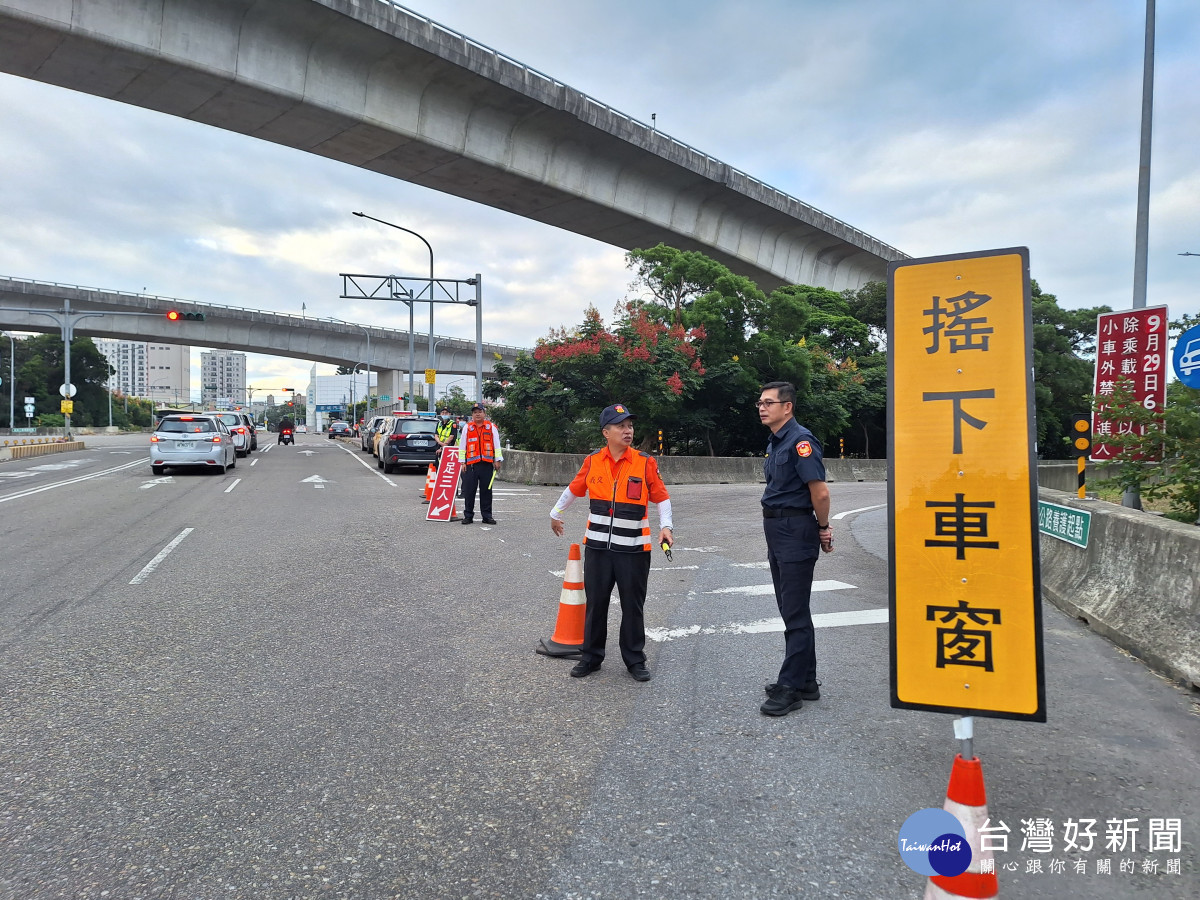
<point>479,446</point>
<point>444,431</point>
<point>615,520</point>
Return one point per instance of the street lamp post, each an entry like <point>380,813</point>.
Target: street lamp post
<point>412,399</point>
<point>370,358</point>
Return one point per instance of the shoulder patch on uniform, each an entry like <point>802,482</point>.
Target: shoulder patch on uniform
<point>804,448</point>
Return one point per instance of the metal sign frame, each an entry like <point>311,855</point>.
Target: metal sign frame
<point>943,683</point>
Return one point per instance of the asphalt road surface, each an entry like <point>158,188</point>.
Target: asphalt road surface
<point>282,682</point>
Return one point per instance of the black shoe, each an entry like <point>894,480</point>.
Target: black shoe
<point>584,668</point>
<point>467,521</point>
<point>639,672</point>
<point>782,701</point>
<point>487,521</point>
<point>808,692</point>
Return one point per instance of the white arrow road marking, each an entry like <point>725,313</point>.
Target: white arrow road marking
<point>851,512</point>
<point>316,480</point>
<point>236,482</point>
<point>166,479</point>
<point>770,588</point>
<point>307,452</point>
<point>762,626</point>
<point>154,563</point>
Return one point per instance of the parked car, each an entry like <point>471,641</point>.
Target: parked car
<point>301,429</point>
<point>381,432</point>
<point>250,430</point>
<point>192,441</point>
<point>236,423</point>
<point>366,434</point>
<point>340,429</point>
<point>260,427</point>
<point>410,441</point>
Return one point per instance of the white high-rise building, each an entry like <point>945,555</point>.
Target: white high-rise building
<point>153,371</point>
<point>222,378</point>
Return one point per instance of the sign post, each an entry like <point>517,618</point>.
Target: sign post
<point>966,629</point>
<point>441,500</point>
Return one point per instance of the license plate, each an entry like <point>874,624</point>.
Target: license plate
<point>420,443</point>
<point>185,445</point>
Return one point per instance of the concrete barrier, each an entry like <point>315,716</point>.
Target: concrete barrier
<point>1137,583</point>
<point>526,467</point>
<point>26,450</point>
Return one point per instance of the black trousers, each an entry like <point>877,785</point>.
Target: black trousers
<point>792,550</point>
<point>478,474</point>
<point>629,572</point>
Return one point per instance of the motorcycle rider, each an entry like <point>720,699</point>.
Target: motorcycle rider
<point>285,424</point>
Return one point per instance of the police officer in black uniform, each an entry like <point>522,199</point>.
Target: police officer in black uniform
<point>795,508</point>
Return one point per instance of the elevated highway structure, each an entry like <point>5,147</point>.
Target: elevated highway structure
<point>251,330</point>
<point>374,85</point>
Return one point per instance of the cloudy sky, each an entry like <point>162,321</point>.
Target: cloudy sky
<point>935,125</point>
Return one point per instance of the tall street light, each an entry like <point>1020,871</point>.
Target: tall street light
<point>367,332</point>
<point>412,397</point>
<point>12,378</point>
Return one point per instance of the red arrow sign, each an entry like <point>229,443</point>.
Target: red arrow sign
<point>441,502</point>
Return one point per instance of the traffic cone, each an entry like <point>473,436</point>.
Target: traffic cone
<point>572,604</point>
<point>430,478</point>
<point>966,800</point>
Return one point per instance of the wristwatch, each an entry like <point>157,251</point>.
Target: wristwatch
<point>821,527</point>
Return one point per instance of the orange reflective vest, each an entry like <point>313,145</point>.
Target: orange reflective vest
<point>618,508</point>
<point>479,445</point>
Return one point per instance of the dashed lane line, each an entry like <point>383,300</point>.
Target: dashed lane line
<point>236,482</point>
<point>149,568</point>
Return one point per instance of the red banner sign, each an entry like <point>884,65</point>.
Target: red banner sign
<point>441,501</point>
<point>1131,346</point>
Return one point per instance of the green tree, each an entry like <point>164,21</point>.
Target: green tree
<point>456,401</point>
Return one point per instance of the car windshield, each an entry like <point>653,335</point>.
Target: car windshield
<point>230,419</point>
<point>182,426</point>
<point>416,426</point>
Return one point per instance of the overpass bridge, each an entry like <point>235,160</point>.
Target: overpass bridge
<point>374,85</point>
<point>251,330</point>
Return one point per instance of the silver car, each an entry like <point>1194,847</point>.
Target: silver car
<point>236,423</point>
<point>192,441</point>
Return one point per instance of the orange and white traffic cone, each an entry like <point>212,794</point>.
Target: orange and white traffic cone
<point>430,478</point>
<point>572,605</point>
<point>966,800</point>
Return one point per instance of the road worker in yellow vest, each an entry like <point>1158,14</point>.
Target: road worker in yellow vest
<point>620,483</point>
<point>481,455</point>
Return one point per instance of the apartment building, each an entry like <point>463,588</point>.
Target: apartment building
<point>222,378</point>
<point>150,370</point>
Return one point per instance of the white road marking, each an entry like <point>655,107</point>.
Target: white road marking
<point>307,452</point>
<point>698,549</point>
<point>770,588</point>
<point>763,626</point>
<point>55,467</point>
<point>367,466</point>
<point>166,479</point>
<point>76,480</point>
<point>316,481</point>
<point>254,462</point>
<point>851,512</point>
<point>267,449</point>
<point>120,452</point>
<point>16,474</point>
<point>670,568</point>
<point>154,563</point>
<point>236,482</point>
<point>753,565</point>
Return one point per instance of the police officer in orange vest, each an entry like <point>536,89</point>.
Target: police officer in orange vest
<point>479,449</point>
<point>620,483</point>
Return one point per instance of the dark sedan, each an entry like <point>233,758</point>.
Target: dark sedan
<point>409,442</point>
<point>340,429</point>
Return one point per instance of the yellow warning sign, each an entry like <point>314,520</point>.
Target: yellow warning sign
<point>66,406</point>
<point>965,589</point>
<point>430,376</point>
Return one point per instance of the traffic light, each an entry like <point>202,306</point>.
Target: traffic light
<point>175,315</point>
<point>290,403</point>
<point>1081,436</point>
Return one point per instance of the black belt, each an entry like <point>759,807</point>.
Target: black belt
<point>785,513</point>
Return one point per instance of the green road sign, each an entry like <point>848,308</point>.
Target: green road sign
<point>1064,523</point>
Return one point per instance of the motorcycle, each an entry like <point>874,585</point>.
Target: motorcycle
<point>285,436</point>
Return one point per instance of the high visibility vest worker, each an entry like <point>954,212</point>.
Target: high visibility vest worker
<point>445,431</point>
<point>479,444</point>
<point>618,508</point>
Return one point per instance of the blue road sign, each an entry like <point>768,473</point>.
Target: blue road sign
<point>1186,358</point>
